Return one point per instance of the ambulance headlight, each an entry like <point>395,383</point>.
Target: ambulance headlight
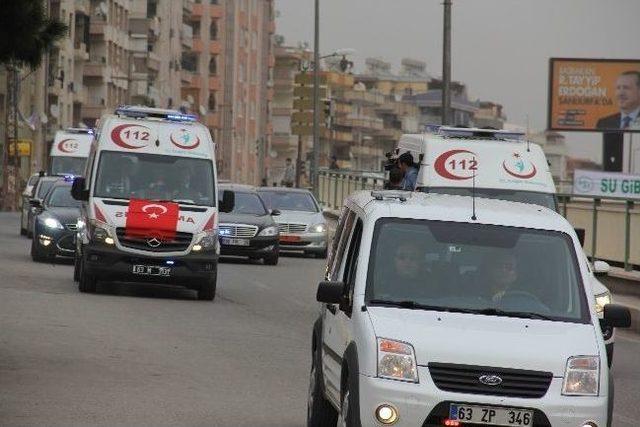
<point>206,240</point>
<point>101,232</point>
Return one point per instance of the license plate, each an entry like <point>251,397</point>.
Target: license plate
<point>235,242</point>
<point>288,238</point>
<point>490,415</point>
<point>151,270</point>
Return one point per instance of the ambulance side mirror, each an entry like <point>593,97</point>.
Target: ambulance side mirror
<point>78,191</point>
<point>228,201</point>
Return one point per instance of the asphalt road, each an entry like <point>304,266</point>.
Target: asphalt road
<point>138,355</point>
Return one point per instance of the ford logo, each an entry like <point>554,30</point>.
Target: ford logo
<point>490,380</point>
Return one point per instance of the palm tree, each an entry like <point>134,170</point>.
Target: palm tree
<point>27,33</point>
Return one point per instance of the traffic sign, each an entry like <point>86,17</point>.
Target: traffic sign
<point>24,148</point>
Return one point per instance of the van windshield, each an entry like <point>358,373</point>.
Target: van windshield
<point>67,165</point>
<point>547,200</point>
<point>157,177</point>
<point>475,268</point>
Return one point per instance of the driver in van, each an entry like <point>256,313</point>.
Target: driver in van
<point>405,273</point>
<point>500,274</point>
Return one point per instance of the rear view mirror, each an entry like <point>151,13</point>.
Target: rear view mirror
<point>580,232</point>
<point>617,316</point>
<point>330,292</point>
<point>228,201</point>
<point>78,191</point>
<point>601,268</point>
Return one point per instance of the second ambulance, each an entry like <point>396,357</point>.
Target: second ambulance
<point>150,203</point>
<point>69,151</point>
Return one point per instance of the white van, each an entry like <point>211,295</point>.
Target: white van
<point>436,314</point>
<point>150,210</point>
<point>500,165</point>
<point>69,151</point>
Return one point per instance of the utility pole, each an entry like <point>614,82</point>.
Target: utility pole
<point>446,65</point>
<point>316,100</point>
<point>10,163</point>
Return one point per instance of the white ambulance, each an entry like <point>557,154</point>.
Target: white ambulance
<point>495,164</point>
<point>163,161</point>
<point>69,151</point>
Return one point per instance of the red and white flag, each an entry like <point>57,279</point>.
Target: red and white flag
<point>148,218</point>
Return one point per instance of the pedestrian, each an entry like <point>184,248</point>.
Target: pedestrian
<point>410,171</point>
<point>289,174</point>
<point>334,163</point>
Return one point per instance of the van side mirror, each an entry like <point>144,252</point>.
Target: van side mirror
<point>601,268</point>
<point>275,212</point>
<point>330,292</point>
<point>580,232</point>
<point>35,203</point>
<point>78,191</point>
<point>617,316</point>
<point>228,201</point>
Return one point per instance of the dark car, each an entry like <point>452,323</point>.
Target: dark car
<point>54,228</point>
<point>29,211</point>
<point>249,229</point>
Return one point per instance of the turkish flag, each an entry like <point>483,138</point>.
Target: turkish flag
<point>148,218</point>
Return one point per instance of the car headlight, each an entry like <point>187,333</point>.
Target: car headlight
<point>582,376</point>
<point>318,228</point>
<point>602,300</point>
<point>51,222</point>
<point>205,240</point>
<point>396,360</point>
<point>101,231</point>
<point>272,230</point>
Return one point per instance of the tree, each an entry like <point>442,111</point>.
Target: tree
<point>27,33</point>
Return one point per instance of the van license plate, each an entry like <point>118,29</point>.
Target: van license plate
<point>490,415</point>
<point>235,242</point>
<point>151,270</point>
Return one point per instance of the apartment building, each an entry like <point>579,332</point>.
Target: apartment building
<point>489,114</point>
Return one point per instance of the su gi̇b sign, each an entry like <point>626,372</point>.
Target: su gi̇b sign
<point>606,184</point>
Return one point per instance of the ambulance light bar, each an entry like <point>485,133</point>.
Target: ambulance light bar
<point>156,113</point>
<point>391,194</point>
<point>457,132</point>
<point>87,131</point>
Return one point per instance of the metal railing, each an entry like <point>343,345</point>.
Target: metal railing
<point>610,223</point>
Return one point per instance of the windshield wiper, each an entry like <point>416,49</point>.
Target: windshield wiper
<point>413,305</point>
<point>506,313</point>
<point>181,202</point>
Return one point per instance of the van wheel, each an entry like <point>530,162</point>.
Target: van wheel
<point>207,291</point>
<point>346,412</point>
<point>87,282</point>
<point>320,413</point>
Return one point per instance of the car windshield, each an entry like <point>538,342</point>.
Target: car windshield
<point>156,177</point>
<point>248,204</point>
<point>289,200</point>
<point>67,165</point>
<point>547,200</point>
<point>476,268</point>
<point>45,185</point>
<point>60,197</point>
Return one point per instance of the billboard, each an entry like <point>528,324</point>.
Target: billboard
<point>606,184</point>
<point>596,95</point>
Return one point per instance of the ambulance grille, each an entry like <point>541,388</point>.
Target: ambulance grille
<point>179,243</point>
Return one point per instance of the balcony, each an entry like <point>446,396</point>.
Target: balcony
<point>80,52</point>
<point>153,62</point>
<point>185,77</point>
<point>197,11</point>
<point>196,81</point>
<point>92,111</point>
<point>370,98</point>
<point>363,123</point>
<point>94,70</point>
<point>187,7</point>
<point>100,30</point>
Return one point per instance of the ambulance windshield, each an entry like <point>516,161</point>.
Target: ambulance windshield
<point>547,200</point>
<point>67,165</point>
<point>157,177</point>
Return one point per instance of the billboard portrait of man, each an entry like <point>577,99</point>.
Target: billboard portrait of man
<point>627,95</point>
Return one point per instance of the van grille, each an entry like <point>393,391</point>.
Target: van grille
<point>287,228</point>
<point>179,243</point>
<point>238,230</point>
<point>466,379</point>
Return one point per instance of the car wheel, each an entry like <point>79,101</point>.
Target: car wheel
<point>271,259</point>
<point>207,291</point>
<point>87,282</point>
<point>36,253</point>
<point>321,255</point>
<point>320,413</point>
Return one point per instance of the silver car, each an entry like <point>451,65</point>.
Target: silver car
<point>302,225</point>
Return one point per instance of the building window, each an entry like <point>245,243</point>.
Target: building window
<point>212,101</point>
<point>196,29</point>
<point>213,66</point>
<point>213,30</point>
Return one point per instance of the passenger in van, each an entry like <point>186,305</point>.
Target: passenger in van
<point>406,165</point>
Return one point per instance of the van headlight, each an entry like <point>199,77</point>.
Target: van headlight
<point>582,376</point>
<point>272,230</point>
<point>396,360</point>
<point>205,240</point>
<point>318,228</point>
<point>602,300</point>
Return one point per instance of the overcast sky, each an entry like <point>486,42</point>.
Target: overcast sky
<point>500,48</point>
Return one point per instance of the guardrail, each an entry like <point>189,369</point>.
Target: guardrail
<point>610,223</point>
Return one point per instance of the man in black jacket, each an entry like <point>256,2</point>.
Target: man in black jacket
<point>628,96</point>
